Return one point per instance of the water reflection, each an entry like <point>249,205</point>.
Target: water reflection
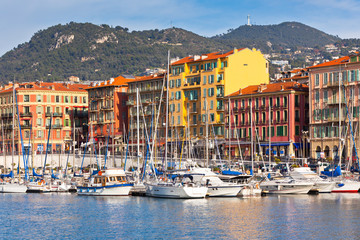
<point>285,217</point>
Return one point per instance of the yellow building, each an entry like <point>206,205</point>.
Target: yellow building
<point>198,84</point>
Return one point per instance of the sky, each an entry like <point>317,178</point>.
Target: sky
<point>21,19</point>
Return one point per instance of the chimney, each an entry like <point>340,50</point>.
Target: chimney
<point>239,91</point>
<point>261,87</point>
<point>282,87</point>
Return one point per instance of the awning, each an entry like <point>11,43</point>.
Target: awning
<point>275,144</point>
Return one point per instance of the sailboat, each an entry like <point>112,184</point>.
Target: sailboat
<point>179,186</point>
<point>12,186</point>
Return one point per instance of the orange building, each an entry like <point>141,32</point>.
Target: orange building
<point>108,111</point>
<point>36,104</point>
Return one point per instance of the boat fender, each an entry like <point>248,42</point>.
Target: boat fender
<point>341,185</point>
<point>305,165</point>
<point>42,182</point>
<point>247,172</point>
<point>257,186</point>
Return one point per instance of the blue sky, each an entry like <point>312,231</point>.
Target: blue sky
<point>20,19</point>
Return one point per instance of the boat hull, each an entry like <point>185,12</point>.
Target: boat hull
<point>118,190</point>
<point>223,191</point>
<point>324,187</point>
<point>287,188</point>
<point>175,191</point>
<point>346,187</point>
<point>12,188</point>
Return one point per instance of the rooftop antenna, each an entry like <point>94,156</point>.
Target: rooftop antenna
<point>248,20</point>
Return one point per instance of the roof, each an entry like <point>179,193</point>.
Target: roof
<point>270,88</point>
<point>204,57</point>
<point>118,81</point>
<point>335,62</point>
<point>43,86</point>
<point>147,78</point>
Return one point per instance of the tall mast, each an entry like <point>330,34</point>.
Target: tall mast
<point>207,132</point>
<point>113,142</point>
<point>13,129</point>
<point>269,134</point>
<point>73,146</point>
<point>229,134</point>
<point>3,146</point>
<point>167,110</point>
<point>252,142</point>
<point>138,130</point>
<point>339,132</point>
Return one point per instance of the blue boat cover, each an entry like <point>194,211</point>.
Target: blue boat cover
<point>233,173</point>
<point>35,174</point>
<point>335,173</point>
<point>10,175</point>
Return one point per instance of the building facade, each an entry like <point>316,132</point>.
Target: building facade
<point>44,111</point>
<point>151,111</point>
<point>108,119</point>
<point>334,108</point>
<point>197,86</point>
<point>255,109</point>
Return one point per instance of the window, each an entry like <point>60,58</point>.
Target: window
<point>211,92</point>
<point>285,102</point>
<point>204,92</point>
<point>178,95</point>
<point>66,99</point>
<point>296,100</point>
<point>178,107</point>
<point>39,109</point>
<point>67,123</point>
<point>211,78</point>
<point>38,98</point>
<point>200,131</point>
<point>317,80</point>
<point>212,117</point>
<point>204,79</point>
<point>39,121</point>
<point>57,133</point>
<point>84,99</point>
<point>75,99</point>
<point>194,131</point>
<point>178,82</point>
<point>39,135</point>
<point>26,98</point>
<point>178,120</point>
<point>57,99</point>
<point>220,77</point>
<point>297,130</point>
<point>325,79</point>
<point>211,104</point>
<point>26,109</point>
<point>325,95</point>
<point>317,96</point>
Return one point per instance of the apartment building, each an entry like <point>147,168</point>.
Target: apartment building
<point>197,86</point>
<point>334,108</point>
<point>37,106</point>
<point>253,110</point>
<point>108,119</point>
<point>151,111</point>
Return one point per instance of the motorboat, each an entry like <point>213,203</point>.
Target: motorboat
<point>109,182</point>
<point>216,187</point>
<point>285,185</point>
<point>180,186</point>
<point>320,184</point>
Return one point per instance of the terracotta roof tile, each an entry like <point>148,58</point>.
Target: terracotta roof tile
<point>335,62</point>
<point>209,56</point>
<point>270,88</point>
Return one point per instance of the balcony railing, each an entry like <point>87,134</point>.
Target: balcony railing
<point>54,126</point>
<point>26,114</point>
<point>25,126</point>
<point>55,114</point>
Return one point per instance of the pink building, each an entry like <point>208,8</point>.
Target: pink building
<point>250,108</point>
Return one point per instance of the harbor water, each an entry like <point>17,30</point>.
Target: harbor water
<point>69,216</point>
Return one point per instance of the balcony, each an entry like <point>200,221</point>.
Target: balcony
<point>220,108</point>
<point>54,126</point>
<point>333,84</point>
<point>26,114</point>
<point>335,102</point>
<point>6,115</point>
<point>25,126</point>
<point>235,109</point>
<point>220,95</point>
<point>129,103</point>
<point>107,108</point>
<point>55,114</point>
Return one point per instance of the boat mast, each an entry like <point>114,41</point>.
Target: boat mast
<point>229,133</point>
<point>13,129</point>
<point>270,150</point>
<point>167,110</point>
<point>3,147</point>
<point>339,132</point>
<point>73,146</point>
<point>138,131</point>
<point>251,136</point>
<point>207,132</point>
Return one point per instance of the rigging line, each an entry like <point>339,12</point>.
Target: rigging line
<point>347,113</point>
<point>47,144</point>
<point>82,162</point>
<point>21,137</point>
<point>107,147</point>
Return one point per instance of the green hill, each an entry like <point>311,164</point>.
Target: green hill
<point>94,52</point>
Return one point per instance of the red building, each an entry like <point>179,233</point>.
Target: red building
<point>250,111</point>
<point>108,111</point>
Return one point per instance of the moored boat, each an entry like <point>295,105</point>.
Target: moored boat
<point>109,182</point>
